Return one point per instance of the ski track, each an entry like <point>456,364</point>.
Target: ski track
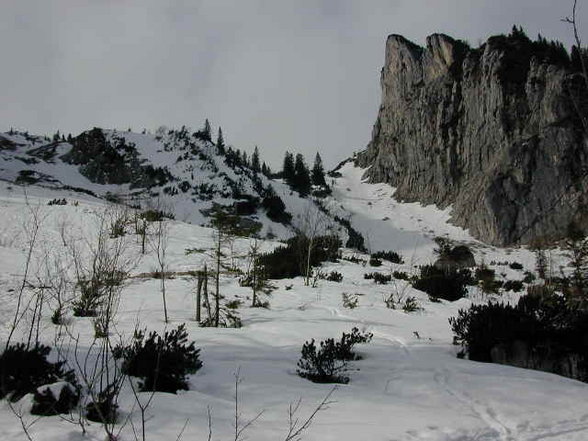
<point>483,411</point>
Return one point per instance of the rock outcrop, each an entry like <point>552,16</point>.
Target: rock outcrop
<point>112,161</point>
<point>496,132</point>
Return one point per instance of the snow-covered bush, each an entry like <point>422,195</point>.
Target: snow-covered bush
<point>275,208</point>
<point>486,279</point>
<point>516,266</point>
<point>153,215</point>
<point>328,362</point>
<point>407,304</point>
<point>350,301</point>
<point>334,276</point>
<point>513,285</point>
<point>104,408</point>
<point>24,369</point>
<point>390,256</point>
<point>374,261</point>
<point>46,404</point>
<point>163,363</point>
<point>349,340</point>
<point>291,260</point>
<point>400,275</point>
<point>321,365</point>
<point>379,278</point>
<point>442,284</point>
<point>539,332</point>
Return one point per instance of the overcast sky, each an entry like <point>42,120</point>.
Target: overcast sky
<point>296,75</point>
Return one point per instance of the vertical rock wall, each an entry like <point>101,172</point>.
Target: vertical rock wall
<point>492,131</point>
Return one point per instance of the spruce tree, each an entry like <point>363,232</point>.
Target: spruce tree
<point>220,142</point>
<point>255,161</point>
<point>207,131</point>
<point>302,183</point>
<point>318,172</point>
<point>265,170</point>
<point>288,170</point>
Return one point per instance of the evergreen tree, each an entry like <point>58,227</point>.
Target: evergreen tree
<point>518,33</point>
<point>579,59</point>
<point>220,142</point>
<point>288,170</point>
<point>274,206</point>
<point>265,170</point>
<point>318,172</point>
<point>302,183</point>
<point>244,159</point>
<point>255,161</point>
<point>207,131</point>
<point>229,157</point>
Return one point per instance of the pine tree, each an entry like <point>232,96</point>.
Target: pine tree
<point>265,170</point>
<point>244,159</point>
<point>288,169</point>
<point>207,131</point>
<point>302,183</point>
<point>318,172</point>
<point>255,161</point>
<point>220,142</point>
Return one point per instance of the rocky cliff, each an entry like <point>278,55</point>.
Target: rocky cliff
<point>495,131</point>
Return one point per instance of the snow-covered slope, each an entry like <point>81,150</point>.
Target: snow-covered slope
<point>173,169</point>
<point>409,385</point>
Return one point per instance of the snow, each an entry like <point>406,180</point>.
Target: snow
<point>409,386</point>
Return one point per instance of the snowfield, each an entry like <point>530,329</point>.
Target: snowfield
<point>409,386</point>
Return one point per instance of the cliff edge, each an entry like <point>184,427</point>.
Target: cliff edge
<point>495,131</point>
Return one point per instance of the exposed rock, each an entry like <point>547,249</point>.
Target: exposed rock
<point>7,144</point>
<point>112,161</point>
<point>491,131</point>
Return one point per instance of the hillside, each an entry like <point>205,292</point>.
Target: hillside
<point>178,171</point>
<point>409,384</point>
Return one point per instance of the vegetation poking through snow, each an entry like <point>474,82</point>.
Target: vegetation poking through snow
<point>298,253</point>
<point>390,256</point>
<point>162,363</point>
<point>329,362</point>
<point>442,284</point>
<point>23,369</point>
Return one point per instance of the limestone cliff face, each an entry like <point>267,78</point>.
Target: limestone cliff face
<point>491,131</point>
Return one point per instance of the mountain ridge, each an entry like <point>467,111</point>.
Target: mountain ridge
<point>184,168</point>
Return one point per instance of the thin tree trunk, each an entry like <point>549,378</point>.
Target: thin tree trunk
<point>254,282</point>
<point>163,294</point>
<point>217,287</point>
<point>198,292</point>
<point>206,298</point>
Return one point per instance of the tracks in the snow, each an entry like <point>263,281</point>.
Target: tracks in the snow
<point>482,411</point>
